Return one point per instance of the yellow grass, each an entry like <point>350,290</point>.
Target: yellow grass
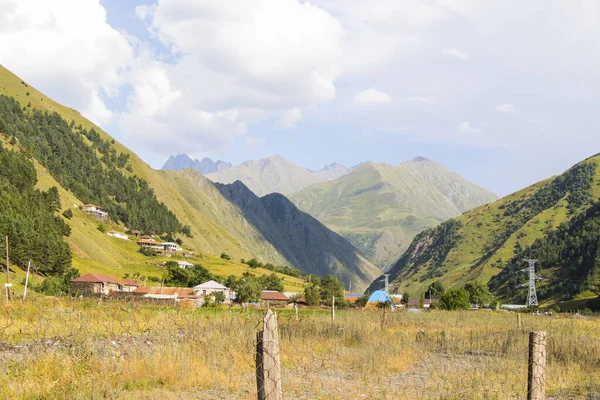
<point>58,349</point>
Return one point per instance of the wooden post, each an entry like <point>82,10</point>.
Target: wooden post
<point>519,322</point>
<point>536,372</point>
<point>268,367</point>
<point>296,308</point>
<point>332,308</point>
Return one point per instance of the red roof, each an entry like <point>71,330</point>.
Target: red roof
<point>164,290</point>
<point>97,278</point>
<point>273,295</point>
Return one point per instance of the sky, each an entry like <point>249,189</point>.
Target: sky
<point>506,93</point>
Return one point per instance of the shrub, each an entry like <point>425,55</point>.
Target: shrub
<point>455,299</point>
<point>68,213</point>
<point>225,256</point>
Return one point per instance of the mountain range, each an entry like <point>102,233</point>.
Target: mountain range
<point>380,207</point>
<point>556,221</point>
<point>276,175</point>
<point>82,164</point>
<point>206,166</point>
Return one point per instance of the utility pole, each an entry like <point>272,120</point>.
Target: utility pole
<point>386,280</point>
<point>532,294</point>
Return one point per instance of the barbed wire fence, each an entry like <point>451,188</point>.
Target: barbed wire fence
<point>117,348</point>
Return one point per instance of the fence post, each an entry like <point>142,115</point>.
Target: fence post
<point>296,308</point>
<point>536,371</point>
<point>332,308</point>
<point>519,322</point>
<point>268,368</point>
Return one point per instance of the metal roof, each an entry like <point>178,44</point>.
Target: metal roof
<point>210,285</point>
<point>273,295</point>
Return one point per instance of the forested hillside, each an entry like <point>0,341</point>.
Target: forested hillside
<point>554,221</point>
<point>70,154</point>
<point>30,216</point>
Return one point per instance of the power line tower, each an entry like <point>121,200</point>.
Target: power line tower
<point>532,295</point>
<point>386,280</point>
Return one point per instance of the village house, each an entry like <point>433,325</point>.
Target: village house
<point>273,298</point>
<point>147,237</point>
<point>98,284</point>
<point>185,264</point>
<point>416,303</point>
<point>118,235</point>
<point>170,247</point>
<point>94,210</point>
<point>210,287</point>
<point>150,244</point>
<point>166,248</point>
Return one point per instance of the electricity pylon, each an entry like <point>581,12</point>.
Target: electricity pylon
<point>387,284</point>
<point>532,295</point>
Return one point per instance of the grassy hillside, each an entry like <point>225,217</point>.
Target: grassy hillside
<point>380,208</point>
<point>480,244</point>
<point>94,251</point>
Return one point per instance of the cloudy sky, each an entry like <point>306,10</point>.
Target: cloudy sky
<point>504,92</point>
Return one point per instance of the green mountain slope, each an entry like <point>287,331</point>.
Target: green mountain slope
<point>276,175</point>
<point>379,208</point>
<point>489,242</point>
<point>86,165</point>
<point>300,238</point>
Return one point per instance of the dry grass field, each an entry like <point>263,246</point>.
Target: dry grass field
<point>73,349</point>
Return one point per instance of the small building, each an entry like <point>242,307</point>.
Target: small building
<point>94,210</point>
<point>164,291</point>
<point>136,233</point>
<point>118,235</point>
<point>273,298</point>
<point>129,285</point>
<point>98,284</point>
<point>416,303</point>
<point>170,247</point>
<point>210,287</point>
<point>147,237</point>
<point>150,244</point>
<point>185,264</point>
<point>188,254</point>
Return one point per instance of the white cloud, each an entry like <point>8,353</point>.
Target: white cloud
<point>371,97</point>
<point>260,59</point>
<point>505,108</point>
<point>465,127</point>
<point>461,55</point>
<point>253,143</point>
<point>417,100</point>
<point>290,118</point>
<point>67,49</point>
<point>96,111</point>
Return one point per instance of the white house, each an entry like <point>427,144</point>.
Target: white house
<point>170,246</point>
<point>94,210</point>
<point>119,235</point>
<point>185,264</point>
<point>209,287</point>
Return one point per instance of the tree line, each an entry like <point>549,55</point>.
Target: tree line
<point>70,154</point>
<point>29,217</point>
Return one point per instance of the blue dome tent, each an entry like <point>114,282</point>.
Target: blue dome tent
<point>380,296</point>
